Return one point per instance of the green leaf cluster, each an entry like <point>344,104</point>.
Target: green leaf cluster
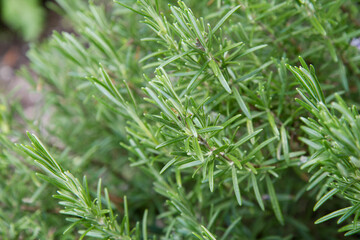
<point>187,111</point>
<point>335,143</point>
<point>28,23</point>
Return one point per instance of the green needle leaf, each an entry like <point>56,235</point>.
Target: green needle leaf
<point>211,175</point>
<point>208,233</point>
<point>223,19</point>
<point>217,72</point>
<point>167,165</point>
<point>197,149</point>
<point>242,104</point>
<point>210,129</point>
<point>324,198</point>
<point>257,191</point>
<point>236,185</point>
<point>170,141</point>
<point>274,200</point>
<point>333,215</point>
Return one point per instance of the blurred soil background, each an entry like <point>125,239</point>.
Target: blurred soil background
<point>18,29</point>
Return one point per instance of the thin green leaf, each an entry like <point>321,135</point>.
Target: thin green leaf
<point>246,138</point>
<point>236,185</point>
<point>217,72</point>
<point>208,233</point>
<point>167,165</point>
<point>257,191</point>
<point>324,198</point>
<point>170,141</point>
<point>230,228</point>
<point>191,127</point>
<point>284,142</point>
<point>242,104</point>
<point>192,84</point>
<point>174,58</point>
<point>260,146</point>
<point>99,194</point>
<point>354,209</point>
<point>253,49</point>
<point>132,9</point>
<point>231,120</point>
<point>211,176</point>
<point>223,19</point>
<point>274,200</point>
<point>197,149</point>
<point>332,215</point>
<point>210,129</point>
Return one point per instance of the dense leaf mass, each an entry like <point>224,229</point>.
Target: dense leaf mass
<point>196,118</point>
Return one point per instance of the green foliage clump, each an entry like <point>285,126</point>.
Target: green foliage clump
<point>191,122</point>
<point>24,16</point>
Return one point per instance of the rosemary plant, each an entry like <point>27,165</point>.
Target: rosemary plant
<point>186,112</point>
